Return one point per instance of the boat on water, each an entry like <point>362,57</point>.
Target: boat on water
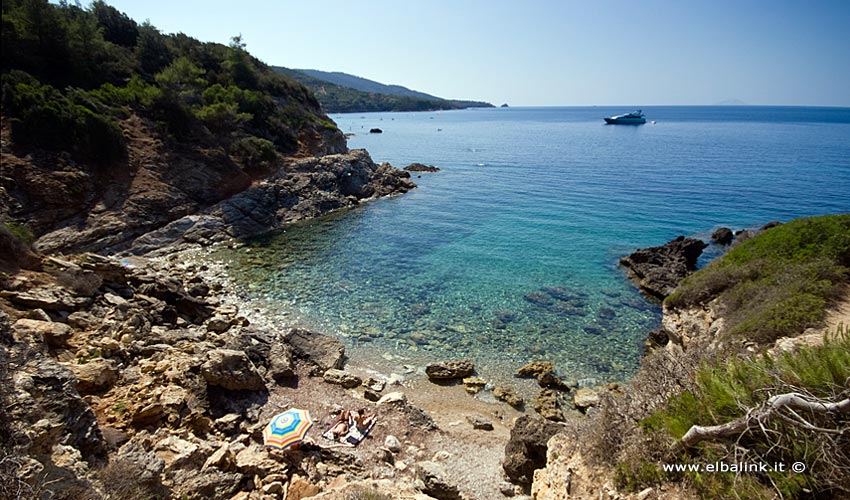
<point>636,118</point>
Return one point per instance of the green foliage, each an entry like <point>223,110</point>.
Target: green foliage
<point>724,393</point>
<point>253,153</point>
<point>778,283</point>
<point>637,474</point>
<point>20,231</point>
<point>87,68</point>
<point>366,494</point>
<point>43,117</point>
<point>117,27</point>
<point>136,93</point>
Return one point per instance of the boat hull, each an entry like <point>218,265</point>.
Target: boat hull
<point>625,121</point>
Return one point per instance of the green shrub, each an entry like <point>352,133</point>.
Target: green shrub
<point>254,153</point>
<point>726,392</point>
<point>778,283</point>
<point>21,231</point>
<point>45,118</point>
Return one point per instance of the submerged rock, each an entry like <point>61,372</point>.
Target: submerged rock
<point>658,270</point>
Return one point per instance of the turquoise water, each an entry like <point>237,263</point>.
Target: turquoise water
<point>510,253</point>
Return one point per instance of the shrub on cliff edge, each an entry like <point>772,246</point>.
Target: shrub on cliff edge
<point>778,283</point>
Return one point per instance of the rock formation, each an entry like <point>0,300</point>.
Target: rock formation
<point>658,270</point>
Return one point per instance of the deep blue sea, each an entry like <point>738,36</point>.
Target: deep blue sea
<point>509,254</point>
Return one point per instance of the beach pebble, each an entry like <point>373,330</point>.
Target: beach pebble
<point>392,443</point>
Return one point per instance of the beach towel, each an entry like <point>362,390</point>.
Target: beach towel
<point>355,435</point>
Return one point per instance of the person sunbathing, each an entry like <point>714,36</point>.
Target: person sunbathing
<point>340,426</point>
<point>362,420</point>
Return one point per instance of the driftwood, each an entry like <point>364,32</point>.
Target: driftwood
<point>756,417</point>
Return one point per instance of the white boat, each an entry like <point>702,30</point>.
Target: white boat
<point>636,118</point>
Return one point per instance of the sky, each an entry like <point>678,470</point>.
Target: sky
<point>546,53</point>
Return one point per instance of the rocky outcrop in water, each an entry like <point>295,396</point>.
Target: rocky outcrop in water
<point>421,167</point>
<point>306,189</point>
<point>658,270</point>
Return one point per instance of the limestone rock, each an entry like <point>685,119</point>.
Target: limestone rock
<point>281,367</point>
<point>549,380</point>
<point>392,443</point>
<point>535,369</point>
<point>300,488</point>
<point>321,350</point>
<point>343,378</point>
<point>507,395</point>
<point>658,270</point>
<point>548,405</point>
<point>473,385</point>
<point>449,370</point>
<point>526,449</point>
<point>253,460</point>
<point>585,398</point>
<point>231,370</point>
<point>480,422</point>
<point>433,475</point>
<point>55,334</point>
<point>95,376</point>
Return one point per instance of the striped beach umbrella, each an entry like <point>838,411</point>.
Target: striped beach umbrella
<point>287,428</point>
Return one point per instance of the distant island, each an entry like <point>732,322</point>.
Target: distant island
<point>343,93</point>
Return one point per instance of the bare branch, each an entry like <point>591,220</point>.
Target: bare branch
<point>756,417</point>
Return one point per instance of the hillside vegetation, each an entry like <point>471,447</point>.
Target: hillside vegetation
<point>778,283</point>
<point>71,74</point>
<point>337,97</point>
<point>750,404</point>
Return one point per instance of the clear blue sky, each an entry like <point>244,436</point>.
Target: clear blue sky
<point>546,52</point>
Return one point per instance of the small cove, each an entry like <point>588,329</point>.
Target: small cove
<point>509,254</point>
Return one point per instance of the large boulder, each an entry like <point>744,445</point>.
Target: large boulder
<point>95,376</point>
<point>32,330</point>
<point>450,370</point>
<point>231,370</point>
<point>658,270</point>
<point>433,477</point>
<point>526,449</point>
<point>722,236</point>
<point>45,393</point>
<point>343,378</point>
<point>322,351</point>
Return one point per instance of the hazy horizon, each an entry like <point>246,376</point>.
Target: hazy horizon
<point>547,53</point>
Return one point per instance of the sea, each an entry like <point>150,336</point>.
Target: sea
<point>510,253</point>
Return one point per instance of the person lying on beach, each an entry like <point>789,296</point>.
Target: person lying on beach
<point>362,420</point>
<point>340,426</point>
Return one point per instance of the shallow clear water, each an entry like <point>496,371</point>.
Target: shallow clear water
<point>510,253</point>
